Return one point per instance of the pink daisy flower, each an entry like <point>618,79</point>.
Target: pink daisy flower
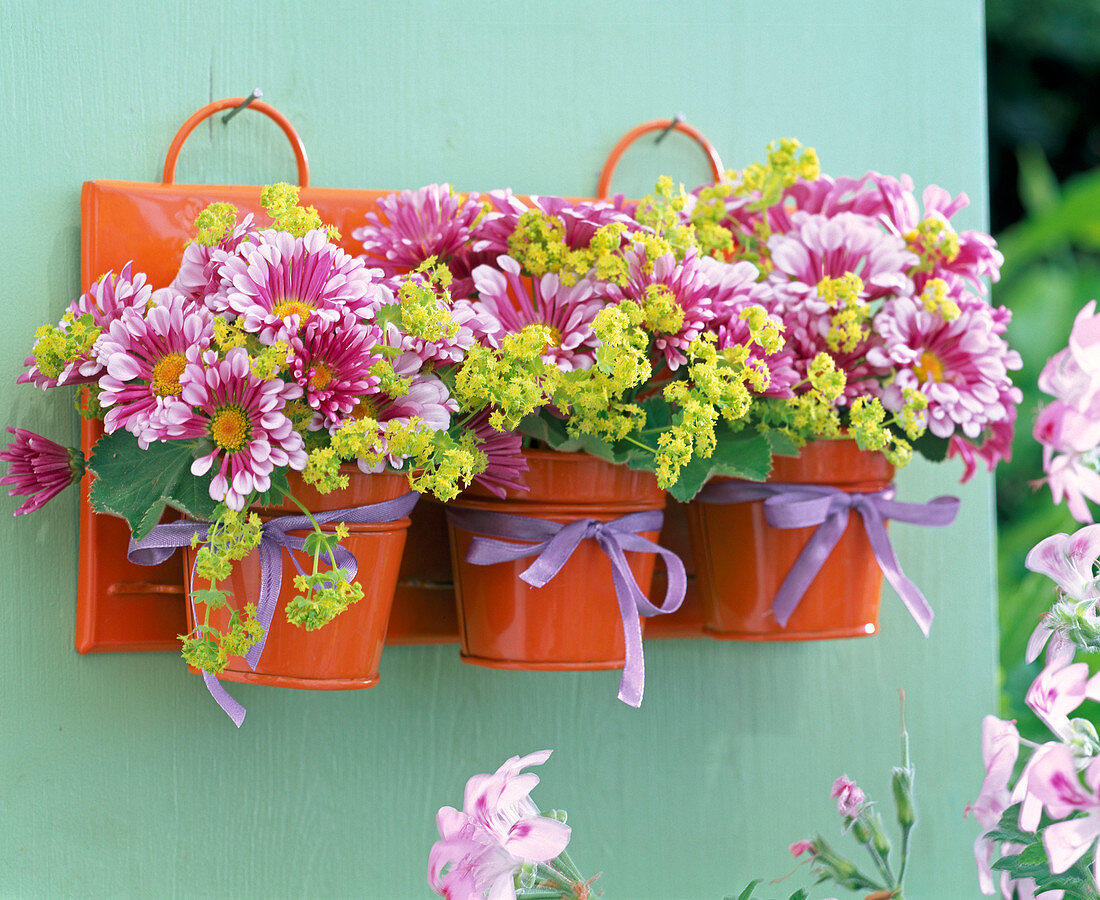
<point>104,301</point>
<point>977,257</point>
<point>144,357</point>
<point>580,219</point>
<point>331,362</point>
<point>38,469</point>
<point>198,277</point>
<point>735,289</point>
<point>685,283</point>
<point>961,366</point>
<point>818,247</point>
<point>241,415</point>
<point>506,460</point>
<point>508,302</point>
<point>410,227</point>
<point>278,284</point>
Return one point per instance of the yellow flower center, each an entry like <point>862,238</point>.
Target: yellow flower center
<point>166,375</point>
<point>322,375</point>
<point>230,428</point>
<point>929,367</point>
<point>290,307</point>
<point>364,409</point>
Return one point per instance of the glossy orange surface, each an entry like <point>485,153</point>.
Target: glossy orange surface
<point>741,561</point>
<point>345,653</point>
<point>573,621</point>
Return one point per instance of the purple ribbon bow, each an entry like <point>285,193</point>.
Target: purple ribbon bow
<point>164,539</point>
<point>805,505</point>
<point>555,543</point>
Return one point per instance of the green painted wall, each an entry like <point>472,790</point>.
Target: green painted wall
<point>118,775</point>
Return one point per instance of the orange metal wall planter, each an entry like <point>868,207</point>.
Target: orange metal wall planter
<point>573,621</point>
<point>125,607</point>
<point>741,561</point>
<point>345,653</point>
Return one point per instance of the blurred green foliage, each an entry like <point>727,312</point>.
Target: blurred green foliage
<point>1052,268</point>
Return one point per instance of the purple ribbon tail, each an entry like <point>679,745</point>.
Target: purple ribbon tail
<point>805,505</point>
<point>553,545</point>
<point>164,539</point>
<point>231,707</point>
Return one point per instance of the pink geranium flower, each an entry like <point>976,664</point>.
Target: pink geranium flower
<point>1056,782</point>
<point>849,797</point>
<point>38,468</point>
<point>1000,747</point>
<point>1070,561</point>
<point>241,415</point>
<point>483,846</point>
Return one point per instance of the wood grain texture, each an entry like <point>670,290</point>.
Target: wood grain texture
<point>119,777</point>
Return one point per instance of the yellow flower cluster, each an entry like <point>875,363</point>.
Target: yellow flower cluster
<point>280,202</point>
<point>56,346</point>
<point>422,313</point>
<point>513,379</point>
<point>787,162</point>
<point>935,299</point>
<point>848,325</point>
<point>934,241</point>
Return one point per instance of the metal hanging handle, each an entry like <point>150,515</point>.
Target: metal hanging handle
<point>664,126</point>
<point>240,102</point>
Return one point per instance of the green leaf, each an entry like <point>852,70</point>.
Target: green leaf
<point>931,447</point>
<point>137,484</point>
<point>274,494</point>
<point>747,893</point>
<point>742,454</point>
<point>215,599</point>
<point>782,444</point>
<point>800,894</point>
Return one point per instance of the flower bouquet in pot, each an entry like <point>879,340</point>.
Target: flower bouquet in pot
<point>629,362</point>
<point>283,397</point>
<point>890,349</point>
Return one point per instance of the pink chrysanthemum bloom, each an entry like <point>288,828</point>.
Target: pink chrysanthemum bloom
<point>819,247</point>
<point>410,227</point>
<point>144,357</point>
<point>961,366</point>
<point>242,416</point>
<point>581,219</point>
<point>413,226</point>
<point>104,301</point>
<point>508,302</point>
<point>198,277</point>
<point>677,297</point>
<point>944,253</point>
<point>469,325</point>
<point>499,828</point>
<point>331,362</point>
<point>282,281</point>
<point>38,469</point>
<point>504,449</point>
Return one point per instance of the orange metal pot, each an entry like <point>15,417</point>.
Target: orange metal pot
<point>345,653</point>
<point>741,561</point>
<point>572,622</point>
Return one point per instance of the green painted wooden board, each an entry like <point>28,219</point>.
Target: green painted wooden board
<point>118,775</point>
